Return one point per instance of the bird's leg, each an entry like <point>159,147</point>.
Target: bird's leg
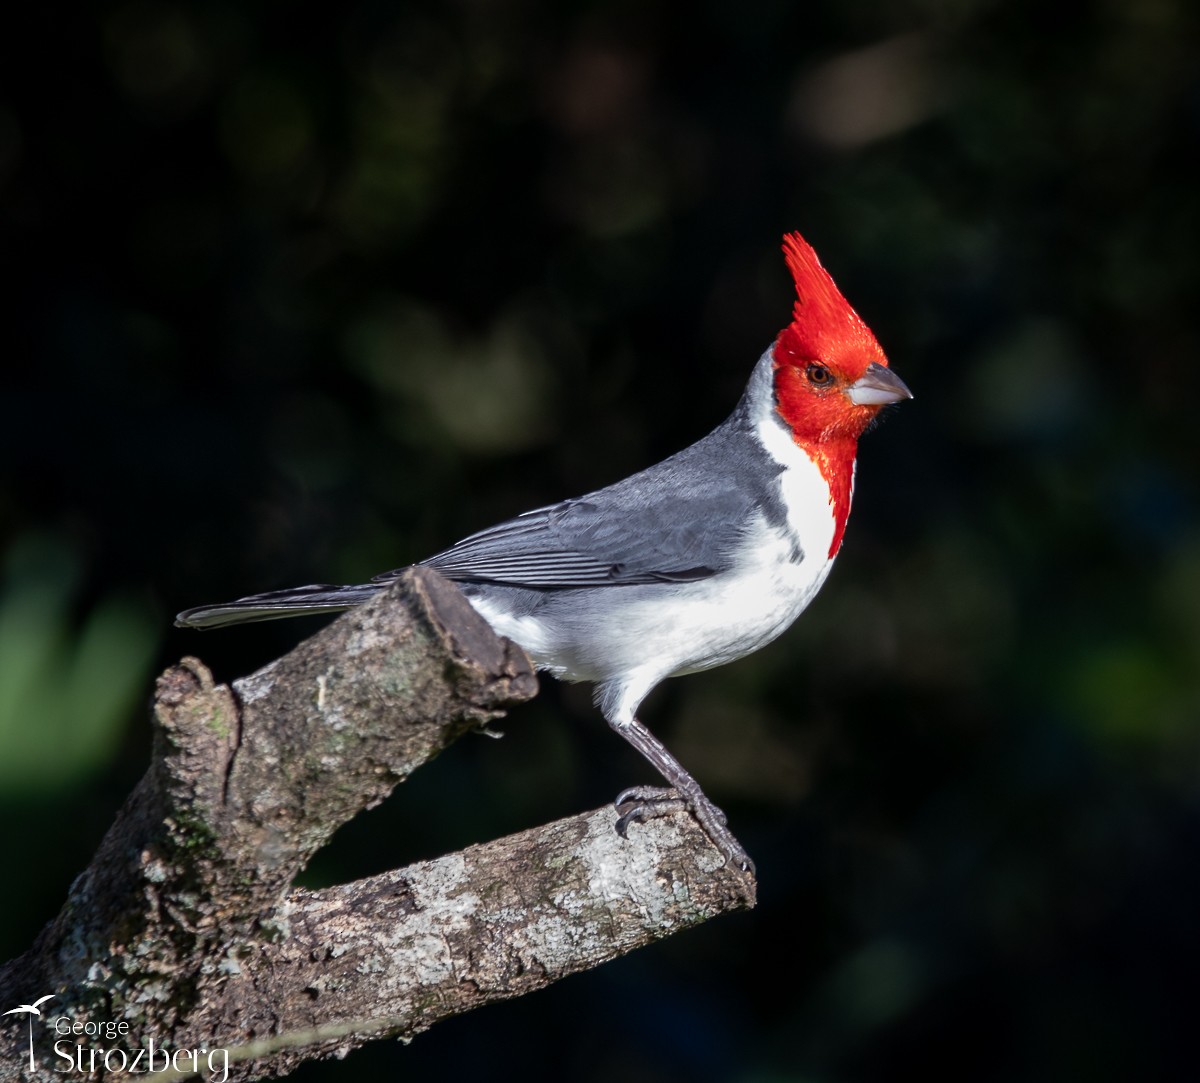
<point>640,803</point>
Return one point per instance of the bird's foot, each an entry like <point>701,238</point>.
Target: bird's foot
<point>640,803</point>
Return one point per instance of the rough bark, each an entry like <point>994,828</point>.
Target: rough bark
<point>186,926</point>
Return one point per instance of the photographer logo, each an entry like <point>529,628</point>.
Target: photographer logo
<point>74,1051</point>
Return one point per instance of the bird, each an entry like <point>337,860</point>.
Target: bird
<point>689,564</point>
<point>31,1010</point>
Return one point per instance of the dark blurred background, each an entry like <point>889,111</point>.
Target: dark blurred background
<point>305,292</point>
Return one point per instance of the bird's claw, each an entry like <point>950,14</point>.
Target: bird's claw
<point>640,803</point>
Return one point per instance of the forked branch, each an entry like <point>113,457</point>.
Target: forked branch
<point>186,926</point>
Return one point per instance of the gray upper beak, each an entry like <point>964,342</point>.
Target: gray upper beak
<point>878,386</point>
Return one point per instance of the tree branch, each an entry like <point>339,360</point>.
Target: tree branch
<point>186,925</point>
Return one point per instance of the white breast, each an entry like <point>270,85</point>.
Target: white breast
<point>805,492</point>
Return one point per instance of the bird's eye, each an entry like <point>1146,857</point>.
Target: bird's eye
<point>818,375</point>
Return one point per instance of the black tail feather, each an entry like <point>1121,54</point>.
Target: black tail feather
<point>278,604</point>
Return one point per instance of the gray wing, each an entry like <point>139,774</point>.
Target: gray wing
<point>680,521</point>
<point>581,543</point>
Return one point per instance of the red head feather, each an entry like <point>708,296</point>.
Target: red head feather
<point>827,331</point>
<point>824,327</point>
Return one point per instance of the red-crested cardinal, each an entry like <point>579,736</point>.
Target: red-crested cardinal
<point>692,563</point>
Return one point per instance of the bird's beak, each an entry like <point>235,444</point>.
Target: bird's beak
<point>878,386</point>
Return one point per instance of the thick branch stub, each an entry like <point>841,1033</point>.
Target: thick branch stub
<point>332,727</point>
